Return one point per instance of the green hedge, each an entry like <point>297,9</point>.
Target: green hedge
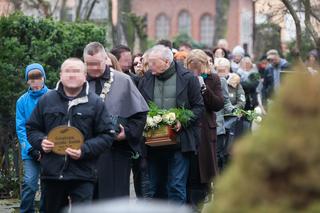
<point>25,40</point>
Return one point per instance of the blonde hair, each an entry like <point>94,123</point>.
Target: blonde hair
<point>198,58</point>
<point>221,62</point>
<point>114,62</point>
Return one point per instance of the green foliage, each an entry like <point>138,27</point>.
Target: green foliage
<point>25,40</point>
<point>182,38</point>
<point>267,37</point>
<point>306,46</point>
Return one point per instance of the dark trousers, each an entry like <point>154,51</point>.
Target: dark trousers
<point>56,193</point>
<point>141,178</point>
<point>197,191</point>
<point>114,168</point>
<point>222,152</point>
<point>168,171</point>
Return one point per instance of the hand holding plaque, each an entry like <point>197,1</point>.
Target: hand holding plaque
<point>65,137</point>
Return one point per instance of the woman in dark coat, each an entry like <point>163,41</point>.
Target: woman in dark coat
<point>204,165</point>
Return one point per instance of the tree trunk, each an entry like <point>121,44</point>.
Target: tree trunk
<point>90,9</point>
<point>296,19</point>
<point>308,24</point>
<point>222,8</point>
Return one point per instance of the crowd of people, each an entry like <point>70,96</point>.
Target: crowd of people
<point>105,96</point>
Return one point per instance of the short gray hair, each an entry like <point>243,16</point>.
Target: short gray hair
<point>78,60</point>
<point>93,48</point>
<point>164,51</point>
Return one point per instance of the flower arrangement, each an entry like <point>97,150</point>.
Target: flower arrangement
<point>161,117</point>
<point>250,115</point>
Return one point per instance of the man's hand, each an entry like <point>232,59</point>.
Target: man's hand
<point>74,153</point>
<point>177,127</point>
<point>47,145</point>
<point>122,135</point>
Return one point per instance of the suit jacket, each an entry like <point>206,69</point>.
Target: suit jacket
<point>188,95</point>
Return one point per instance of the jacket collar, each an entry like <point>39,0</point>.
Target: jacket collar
<point>181,81</point>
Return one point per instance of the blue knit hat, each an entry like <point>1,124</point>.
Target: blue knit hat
<point>35,66</point>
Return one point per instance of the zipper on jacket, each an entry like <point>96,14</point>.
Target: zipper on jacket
<point>63,167</point>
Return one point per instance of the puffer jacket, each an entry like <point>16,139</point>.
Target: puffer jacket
<point>88,114</point>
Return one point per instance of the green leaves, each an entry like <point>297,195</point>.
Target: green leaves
<point>25,40</point>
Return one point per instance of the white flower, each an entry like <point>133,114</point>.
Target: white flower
<point>258,110</point>
<point>169,118</point>
<point>258,119</point>
<point>150,122</point>
<point>157,119</point>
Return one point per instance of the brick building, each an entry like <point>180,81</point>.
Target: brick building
<point>167,18</point>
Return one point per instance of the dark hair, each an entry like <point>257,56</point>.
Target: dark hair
<point>209,53</point>
<point>165,42</point>
<point>224,51</point>
<point>93,48</point>
<point>133,57</point>
<point>117,50</point>
<point>186,44</point>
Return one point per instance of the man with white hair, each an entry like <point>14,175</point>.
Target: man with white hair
<point>169,85</point>
<point>237,54</point>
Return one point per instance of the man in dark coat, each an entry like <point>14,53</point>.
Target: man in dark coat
<point>129,112</point>
<point>73,174</point>
<point>170,85</point>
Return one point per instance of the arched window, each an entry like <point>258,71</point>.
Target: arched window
<point>184,22</point>
<point>162,26</point>
<point>206,30</point>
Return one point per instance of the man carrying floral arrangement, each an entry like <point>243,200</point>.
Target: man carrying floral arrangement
<point>169,85</point>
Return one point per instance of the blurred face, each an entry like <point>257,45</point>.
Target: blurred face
<point>237,58</point>
<point>157,64</point>
<point>219,53</point>
<point>35,80</point>
<point>96,64</point>
<point>137,64</point>
<point>273,59</point>
<point>222,71</point>
<point>210,61</point>
<point>247,66</point>
<point>36,84</point>
<point>312,58</point>
<point>195,67</point>
<point>73,75</point>
<point>125,61</point>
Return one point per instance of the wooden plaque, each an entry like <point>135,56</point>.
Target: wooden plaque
<point>65,137</point>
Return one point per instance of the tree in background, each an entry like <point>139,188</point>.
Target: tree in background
<point>305,13</point>
<point>222,8</point>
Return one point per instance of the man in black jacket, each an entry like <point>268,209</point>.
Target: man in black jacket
<point>170,85</point>
<point>71,104</point>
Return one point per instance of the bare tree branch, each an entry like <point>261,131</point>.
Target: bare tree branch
<point>308,24</point>
<point>90,9</point>
<point>78,10</point>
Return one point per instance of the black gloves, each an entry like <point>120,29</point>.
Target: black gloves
<point>34,154</point>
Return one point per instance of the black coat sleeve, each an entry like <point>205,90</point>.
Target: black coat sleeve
<point>195,100</point>
<point>103,135</point>
<point>134,127</point>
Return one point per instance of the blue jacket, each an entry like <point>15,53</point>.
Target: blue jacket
<point>24,108</point>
